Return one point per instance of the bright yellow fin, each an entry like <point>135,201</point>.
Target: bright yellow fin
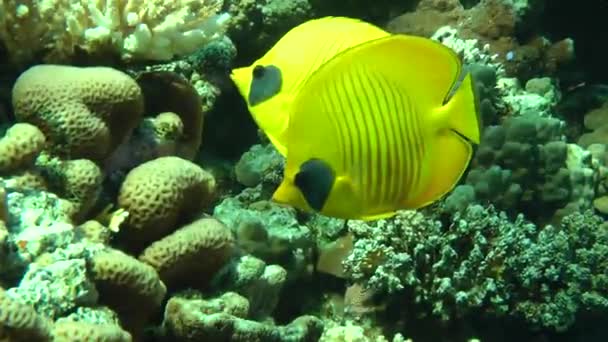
<point>451,158</point>
<point>463,112</point>
<point>453,149</point>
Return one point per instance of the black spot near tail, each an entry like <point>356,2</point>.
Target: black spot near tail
<point>315,181</point>
<point>266,83</point>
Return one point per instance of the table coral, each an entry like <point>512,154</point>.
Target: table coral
<point>129,29</point>
<point>83,112</point>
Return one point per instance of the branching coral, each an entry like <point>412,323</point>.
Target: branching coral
<point>131,29</point>
<point>484,261</point>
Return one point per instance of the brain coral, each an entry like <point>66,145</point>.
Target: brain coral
<point>146,29</point>
<point>84,112</point>
<point>194,252</point>
<point>67,331</point>
<point>159,194</point>
<point>118,276</point>
<point>19,322</point>
<point>19,146</point>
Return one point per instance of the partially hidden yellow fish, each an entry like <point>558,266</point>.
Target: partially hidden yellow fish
<point>270,84</point>
<point>385,125</point>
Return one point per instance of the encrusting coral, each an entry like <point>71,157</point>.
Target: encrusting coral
<point>129,29</point>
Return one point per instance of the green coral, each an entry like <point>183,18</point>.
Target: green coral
<point>484,261</point>
<point>525,165</point>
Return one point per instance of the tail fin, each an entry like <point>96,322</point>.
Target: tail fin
<point>463,110</point>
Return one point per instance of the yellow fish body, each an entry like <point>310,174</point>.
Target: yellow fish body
<point>385,125</point>
<point>270,84</point>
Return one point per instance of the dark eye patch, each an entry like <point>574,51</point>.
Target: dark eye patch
<point>265,83</point>
<point>315,180</point>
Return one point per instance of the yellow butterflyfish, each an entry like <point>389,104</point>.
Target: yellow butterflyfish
<point>270,84</point>
<point>384,125</point>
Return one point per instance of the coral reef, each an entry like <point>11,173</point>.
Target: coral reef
<point>135,188</point>
<point>199,248</point>
<point>160,194</point>
<point>19,147</point>
<point>19,322</point>
<point>525,163</point>
<point>133,29</point>
<point>495,23</point>
<point>252,278</point>
<point>267,230</point>
<point>83,112</point>
<point>545,275</point>
<point>199,319</point>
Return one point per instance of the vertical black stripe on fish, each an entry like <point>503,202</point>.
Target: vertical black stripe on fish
<point>386,137</point>
<point>336,113</point>
<point>345,131</point>
<point>414,140</point>
<point>408,152</point>
<point>329,112</point>
<point>348,130</point>
<point>382,161</point>
<point>400,146</point>
<point>349,110</point>
<point>364,111</point>
<point>421,141</point>
<point>392,138</point>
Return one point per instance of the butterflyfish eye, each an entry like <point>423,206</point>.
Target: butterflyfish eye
<point>258,71</point>
<point>266,83</point>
